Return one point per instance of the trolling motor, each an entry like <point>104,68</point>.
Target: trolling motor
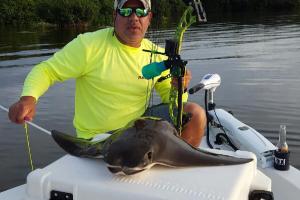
<point>209,83</point>
<point>174,60</point>
<point>226,132</point>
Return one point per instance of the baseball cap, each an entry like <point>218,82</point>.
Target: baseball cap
<point>119,4</point>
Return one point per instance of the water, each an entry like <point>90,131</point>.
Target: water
<point>257,57</point>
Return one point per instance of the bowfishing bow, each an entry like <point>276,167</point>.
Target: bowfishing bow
<point>193,13</point>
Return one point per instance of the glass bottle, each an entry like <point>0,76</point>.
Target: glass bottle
<point>282,145</point>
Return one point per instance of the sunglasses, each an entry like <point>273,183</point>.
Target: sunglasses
<point>139,12</point>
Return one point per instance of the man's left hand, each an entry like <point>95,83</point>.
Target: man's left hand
<point>185,81</point>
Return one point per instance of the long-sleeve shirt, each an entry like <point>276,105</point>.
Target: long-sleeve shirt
<point>110,88</point>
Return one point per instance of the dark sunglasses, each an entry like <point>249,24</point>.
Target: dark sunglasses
<point>139,12</point>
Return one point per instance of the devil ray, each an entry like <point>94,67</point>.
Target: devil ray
<point>142,144</point>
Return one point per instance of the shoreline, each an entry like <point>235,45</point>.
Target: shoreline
<point>47,14</point>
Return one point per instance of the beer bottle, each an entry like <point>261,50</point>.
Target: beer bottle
<point>282,145</point>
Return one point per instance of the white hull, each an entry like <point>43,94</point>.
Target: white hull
<point>87,179</point>
<point>285,184</point>
<point>90,179</point>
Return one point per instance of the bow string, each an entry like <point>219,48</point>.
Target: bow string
<point>193,13</point>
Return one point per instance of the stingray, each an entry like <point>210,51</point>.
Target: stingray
<point>143,143</point>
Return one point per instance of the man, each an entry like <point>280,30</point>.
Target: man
<point>107,66</point>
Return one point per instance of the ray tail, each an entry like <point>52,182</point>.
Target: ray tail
<point>77,146</point>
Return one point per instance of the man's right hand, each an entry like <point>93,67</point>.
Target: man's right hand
<point>22,110</point>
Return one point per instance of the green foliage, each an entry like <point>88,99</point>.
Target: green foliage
<point>67,12</point>
<point>100,12</point>
<point>167,12</point>
<point>243,5</point>
<point>17,11</point>
<point>74,12</point>
<point>104,13</point>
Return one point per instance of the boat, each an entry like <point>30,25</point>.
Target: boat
<point>82,178</point>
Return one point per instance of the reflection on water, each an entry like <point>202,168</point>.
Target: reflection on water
<point>256,56</point>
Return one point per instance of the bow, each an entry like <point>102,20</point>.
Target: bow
<point>193,13</point>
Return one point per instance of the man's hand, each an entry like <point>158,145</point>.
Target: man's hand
<point>22,110</point>
<point>185,81</point>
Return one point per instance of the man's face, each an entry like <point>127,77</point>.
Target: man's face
<point>131,30</point>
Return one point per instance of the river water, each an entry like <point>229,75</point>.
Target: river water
<point>257,57</point>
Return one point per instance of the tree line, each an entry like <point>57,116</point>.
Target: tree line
<point>99,12</point>
<point>248,5</point>
<point>58,12</point>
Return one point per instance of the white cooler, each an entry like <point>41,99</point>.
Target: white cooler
<point>89,179</point>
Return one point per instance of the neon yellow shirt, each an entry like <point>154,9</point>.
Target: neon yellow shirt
<point>110,90</point>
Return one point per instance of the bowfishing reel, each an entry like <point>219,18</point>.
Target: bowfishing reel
<point>174,63</point>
